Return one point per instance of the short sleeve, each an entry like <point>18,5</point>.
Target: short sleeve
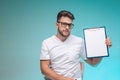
<point>44,55</point>
<point>83,53</point>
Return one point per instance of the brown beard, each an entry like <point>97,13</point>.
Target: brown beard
<point>61,33</point>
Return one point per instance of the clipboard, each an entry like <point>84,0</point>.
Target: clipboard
<point>95,42</point>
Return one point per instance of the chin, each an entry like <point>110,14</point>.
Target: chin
<point>66,35</point>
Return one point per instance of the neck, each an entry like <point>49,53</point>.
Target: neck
<point>62,38</point>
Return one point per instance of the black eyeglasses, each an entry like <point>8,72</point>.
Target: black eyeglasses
<point>64,24</point>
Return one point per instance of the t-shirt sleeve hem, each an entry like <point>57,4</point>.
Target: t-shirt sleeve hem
<point>44,58</point>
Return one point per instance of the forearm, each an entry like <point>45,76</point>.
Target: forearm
<point>51,74</point>
<point>94,61</point>
<point>48,72</point>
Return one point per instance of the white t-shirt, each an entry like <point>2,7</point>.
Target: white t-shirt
<point>64,56</point>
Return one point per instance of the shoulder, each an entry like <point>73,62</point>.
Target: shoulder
<point>48,39</point>
<point>77,41</point>
<point>74,37</point>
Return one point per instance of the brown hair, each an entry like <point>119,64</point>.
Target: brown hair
<point>65,13</point>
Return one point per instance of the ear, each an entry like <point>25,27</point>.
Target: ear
<point>56,24</point>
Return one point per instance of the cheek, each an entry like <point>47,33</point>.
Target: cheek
<point>60,29</point>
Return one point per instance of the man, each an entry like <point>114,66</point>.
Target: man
<point>60,54</point>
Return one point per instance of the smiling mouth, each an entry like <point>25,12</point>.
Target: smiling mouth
<point>66,31</point>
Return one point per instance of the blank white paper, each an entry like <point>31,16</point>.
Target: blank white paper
<point>95,42</point>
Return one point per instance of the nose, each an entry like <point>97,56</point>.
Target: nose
<point>67,27</point>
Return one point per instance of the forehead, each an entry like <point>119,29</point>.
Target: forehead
<point>65,19</point>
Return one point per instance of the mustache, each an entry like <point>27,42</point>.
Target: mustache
<point>66,30</point>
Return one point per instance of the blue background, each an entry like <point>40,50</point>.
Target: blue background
<point>24,24</point>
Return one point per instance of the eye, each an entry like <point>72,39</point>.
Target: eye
<point>70,25</point>
<point>65,24</point>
